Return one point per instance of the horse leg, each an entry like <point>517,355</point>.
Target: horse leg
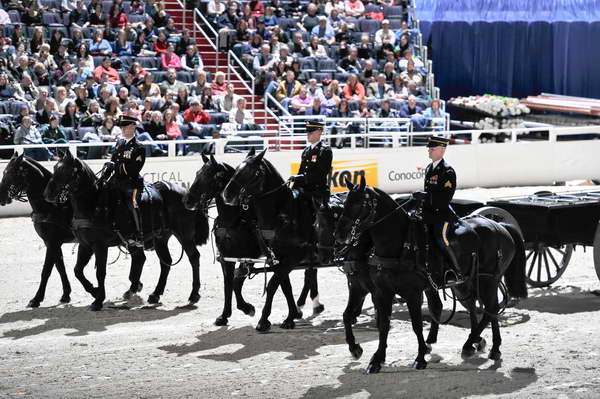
<point>138,258</point>
<point>60,266</point>
<point>479,341</point>
<point>293,312</point>
<point>495,353</point>
<point>228,270</point>
<point>318,307</point>
<point>239,277</point>
<point>305,289</point>
<point>84,253</point>
<point>490,305</point>
<point>264,324</point>
<point>356,297</point>
<point>160,246</point>
<point>49,261</point>
<point>414,303</point>
<point>194,258</point>
<point>101,253</point>
<point>383,305</point>
<point>435,308</point>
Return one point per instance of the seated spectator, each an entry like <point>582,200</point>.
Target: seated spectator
<point>62,54</point>
<point>379,90</point>
<point>99,45</point>
<point>411,75</point>
<point>288,88</point>
<point>411,109</point>
<point>270,19</point>
<point>27,134</point>
<point>26,90</point>
<point>284,56</point>
<point>316,108</point>
<point>23,112</point>
<point>106,69</point>
<point>97,18</point>
<point>313,89</point>
<point>354,90</point>
<point>418,92</point>
<point>56,39</point>
<point>433,117</point>
<point>43,116</point>
<point>7,89</point>
<point>389,72</point>
<point>4,18</point>
<point>407,56</point>
<point>385,37</point>
<point>403,44</point>
<point>137,73</point>
<point>261,65</point>
<point>219,85</point>
<point>257,8</point>
<point>386,111</point>
<point>171,85</point>
<point>365,48</point>
<point>170,59</point>
<point>324,31</point>
<point>93,116</point>
<point>315,49</point>
<point>363,110</point>
<point>136,7</point>
<point>197,88</point>
<point>171,31</point>
<point>354,8</point>
<point>226,101</point>
<point>227,24</point>
<point>123,96</point>
<point>81,100</point>
<point>141,47</point>
<point>162,43</point>
<point>112,108</point>
<point>335,5</point>
<point>368,73</point>
<point>214,9</point>
<point>121,46</point>
<point>150,31</point>
<point>155,127</point>
<point>196,114</point>
<point>278,8</point>
<point>191,60</point>
<point>240,116</point>
<point>32,17</point>
<point>65,75</point>
<point>301,101</point>
<point>309,20</point>
<point>399,88</point>
<point>82,53</point>
<point>207,99</point>
<point>294,8</point>
<point>342,36</point>
<point>37,39</point>
<point>109,131</point>
<point>53,133</point>
<point>172,131</point>
<point>330,101</point>
<point>70,117</point>
<point>351,64</point>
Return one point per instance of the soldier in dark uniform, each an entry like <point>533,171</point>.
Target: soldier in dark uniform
<point>314,167</point>
<point>440,185</point>
<point>127,161</point>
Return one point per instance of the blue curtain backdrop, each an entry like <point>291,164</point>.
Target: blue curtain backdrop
<point>513,47</point>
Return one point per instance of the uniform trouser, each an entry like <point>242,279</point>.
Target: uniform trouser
<point>131,197</point>
<point>440,234</point>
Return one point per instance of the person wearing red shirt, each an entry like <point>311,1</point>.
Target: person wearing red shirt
<point>117,17</point>
<point>257,7</point>
<point>162,44</point>
<point>354,90</point>
<point>105,68</point>
<point>196,114</point>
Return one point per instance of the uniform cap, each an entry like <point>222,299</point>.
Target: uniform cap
<point>435,141</point>
<point>126,120</point>
<point>311,126</point>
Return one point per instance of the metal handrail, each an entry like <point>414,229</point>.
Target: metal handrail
<point>197,27</point>
<point>241,65</point>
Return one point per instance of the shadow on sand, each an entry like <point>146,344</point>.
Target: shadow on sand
<point>561,300</point>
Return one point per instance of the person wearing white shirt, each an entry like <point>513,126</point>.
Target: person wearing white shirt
<point>385,34</point>
<point>4,18</point>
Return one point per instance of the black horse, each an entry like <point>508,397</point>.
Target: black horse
<point>284,222</point>
<point>234,230</point>
<point>25,177</point>
<point>354,258</point>
<point>400,264</point>
<point>163,215</point>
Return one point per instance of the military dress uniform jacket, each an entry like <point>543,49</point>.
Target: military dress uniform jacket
<point>440,185</point>
<point>129,158</point>
<point>315,166</point>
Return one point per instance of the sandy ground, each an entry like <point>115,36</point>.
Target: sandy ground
<point>551,346</point>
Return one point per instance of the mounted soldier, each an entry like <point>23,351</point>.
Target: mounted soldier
<point>438,215</point>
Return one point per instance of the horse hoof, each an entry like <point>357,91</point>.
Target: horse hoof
<point>127,295</point>
<point>481,345</point>
<point>221,321</point>
<point>154,299</point>
<point>373,368</point>
<point>318,309</point>
<point>467,352</point>
<point>96,306</point>
<point>300,304</point>
<point>419,365</point>
<point>356,351</point>
<point>65,298</point>
<point>194,298</point>
<point>248,310</point>
<point>288,324</point>
<point>298,315</point>
<point>428,350</point>
<point>139,287</point>
<point>495,355</point>
<point>263,326</point>
<point>34,303</point>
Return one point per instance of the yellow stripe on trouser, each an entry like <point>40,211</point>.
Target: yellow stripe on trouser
<point>444,231</point>
<point>134,198</point>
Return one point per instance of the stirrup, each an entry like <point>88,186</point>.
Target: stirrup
<point>452,278</point>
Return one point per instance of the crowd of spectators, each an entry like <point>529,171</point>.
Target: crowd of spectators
<point>69,69</point>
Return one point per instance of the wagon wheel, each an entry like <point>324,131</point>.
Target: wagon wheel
<point>597,251</point>
<point>498,215</point>
<point>545,264</point>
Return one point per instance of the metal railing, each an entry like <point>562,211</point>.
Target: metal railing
<point>198,28</point>
<point>232,68</point>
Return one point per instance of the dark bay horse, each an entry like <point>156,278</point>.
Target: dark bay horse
<point>354,258</point>
<point>163,215</point>
<point>284,223</point>
<point>234,230</point>
<point>52,222</point>
<point>398,266</point>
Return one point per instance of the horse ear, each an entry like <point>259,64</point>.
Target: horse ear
<point>260,155</point>
<point>212,159</point>
<point>15,155</point>
<point>363,184</point>
<point>205,158</point>
<point>67,154</point>
<point>251,152</point>
<point>349,184</point>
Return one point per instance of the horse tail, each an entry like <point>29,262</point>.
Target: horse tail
<point>515,274</point>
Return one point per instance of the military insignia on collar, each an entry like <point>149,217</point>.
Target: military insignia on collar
<point>314,158</point>
<point>448,184</point>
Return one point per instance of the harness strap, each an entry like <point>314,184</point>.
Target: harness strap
<point>390,263</point>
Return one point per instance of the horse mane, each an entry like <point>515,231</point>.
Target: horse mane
<point>45,173</point>
<point>385,196</point>
<point>87,172</point>
<point>271,169</point>
<point>229,170</point>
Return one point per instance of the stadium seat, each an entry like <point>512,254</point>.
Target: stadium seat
<point>322,75</point>
<point>15,17</point>
<point>158,76</point>
<point>326,65</point>
<point>83,130</point>
<point>7,30</point>
<point>97,60</point>
<point>186,76</point>
<point>369,25</point>
<point>106,5</point>
<point>341,77</point>
<point>70,133</point>
<point>393,11</point>
<point>372,8</point>
<point>135,18</point>
<point>218,118</point>
<point>52,19</point>
<point>396,104</point>
<point>13,107</point>
<point>395,24</point>
<point>308,64</point>
<point>374,104</point>
<point>63,29</point>
<point>149,63</point>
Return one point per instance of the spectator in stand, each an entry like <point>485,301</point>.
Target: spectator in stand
<point>411,75</point>
<point>191,60</point>
<point>99,45</point>
<point>117,17</point>
<point>219,85</point>
<point>368,73</point>
<point>97,18</point>
<point>93,116</point>
<point>214,9</point>
<point>70,117</point>
<point>53,133</point>
<point>354,90</point>
<point>315,49</point>
<point>389,72</point>
<point>136,7</point>
<point>418,92</point>
<point>257,8</point>
<point>37,39</point>
<point>411,109</point>
<point>121,46</point>
<point>137,73</point>
<point>313,89</point>
<point>241,117</point>
<point>301,101</point>
<point>399,88</point>
<point>351,64</point>
<point>365,48</point>
<point>226,102</point>
<point>343,111</point>
<point>183,43</point>
<point>379,90</point>
<point>141,47</point>
<point>287,89</point>
<point>4,18</point>
<point>112,108</point>
<point>278,8</point>
<point>342,36</point>
<point>261,65</point>
<point>172,131</point>
<point>123,96</point>
<point>207,99</point>
<point>335,20</point>
<point>43,116</point>
<point>324,31</point>
<point>27,134</point>
<point>197,87</point>
<point>433,117</point>
<point>309,20</point>
<point>55,41</point>
<point>196,114</point>
<point>354,8</point>
<point>81,99</point>
<point>26,90</point>
<point>408,56</point>
<point>22,67</point>
<point>363,110</point>
<point>283,57</point>
<point>385,35</point>
<point>386,111</point>
<point>77,40</point>
<point>336,5</point>
<point>403,44</point>
<point>155,127</point>
<point>83,53</point>
<point>162,43</point>
<point>330,101</point>
<point>150,31</point>
<point>32,17</point>
<point>170,59</point>
<point>294,8</point>
<point>297,46</point>
<point>171,85</point>
<point>227,24</point>
<point>172,32</point>
<point>183,98</point>
<point>7,89</point>
<point>106,69</point>
<point>316,108</point>
<point>61,54</point>
<point>270,20</point>
<point>64,74</point>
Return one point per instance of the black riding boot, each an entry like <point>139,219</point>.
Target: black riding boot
<point>138,240</point>
<point>452,276</point>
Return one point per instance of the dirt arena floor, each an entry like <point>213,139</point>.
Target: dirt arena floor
<point>551,341</point>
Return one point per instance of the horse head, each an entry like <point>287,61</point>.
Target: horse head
<point>357,210</point>
<point>19,174</point>
<point>66,174</point>
<point>248,179</point>
<point>209,182</point>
